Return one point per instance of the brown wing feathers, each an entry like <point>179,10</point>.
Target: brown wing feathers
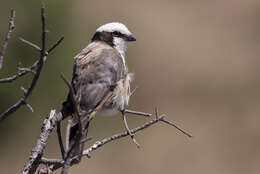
<point>95,73</point>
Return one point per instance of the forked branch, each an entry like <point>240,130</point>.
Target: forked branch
<point>22,71</point>
<point>55,164</point>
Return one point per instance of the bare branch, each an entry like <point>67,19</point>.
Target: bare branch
<point>35,158</point>
<point>156,112</point>
<point>56,163</point>
<point>29,107</point>
<point>38,64</point>
<point>128,130</point>
<point>58,130</point>
<point>32,67</point>
<point>67,156</point>
<point>23,89</point>
<point>43,32</point>
<point>51,161</point>
<point>99,144</point>
<point>8,36</point>
<point>55,45</point>
<point>172,124</point>
<point>137,113</point>
<point>26,69</point>
<point>98,108</point>
<point>30,44</point>
<point>73,99</point>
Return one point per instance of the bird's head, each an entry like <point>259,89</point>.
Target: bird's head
<point>115,34</point>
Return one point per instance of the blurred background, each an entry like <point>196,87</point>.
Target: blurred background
<point>198,61</point>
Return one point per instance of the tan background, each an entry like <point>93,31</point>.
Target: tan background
<point>197,60</point>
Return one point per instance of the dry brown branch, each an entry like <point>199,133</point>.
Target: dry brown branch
<point>24,71</point>
<point>49,123</point>
<point>157,118</point>
<point>128,130</point>
<point>39,64</point>
<point>30,43</point>
<point>8,36</point>
<point>57,163</point>
<point>37,158</point>
<point>127,111</point>
<point>99,106</point>
<point>99,144</point>
<point>37,152</point>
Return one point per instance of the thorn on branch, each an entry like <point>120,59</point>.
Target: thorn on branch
<point>128,130</point>
<point>24,90</point>
<point>20,70</point>
<point>43,30</point>
<point>137,113</point>
<point>174,125</point>
<point>60,163</point>
<point>55,45</point>
<point>33,66</point>
<point>29,107</point>
<point>30,44</point>
<point>156,112</point>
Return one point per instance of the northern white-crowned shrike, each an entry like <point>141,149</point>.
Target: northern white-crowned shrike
<point>97,68</point>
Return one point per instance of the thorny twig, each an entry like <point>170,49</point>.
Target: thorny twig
<point>54,164</point>
<point>127,111</point>
<point>8,36</point>
<point>37,158</point>
<point>128,130</point>
<point>99,106</point>
<point>57,163</point>
<point>24,71</point>
<point>38,64</point>
<point>30,43</point>
<point>37,152</point>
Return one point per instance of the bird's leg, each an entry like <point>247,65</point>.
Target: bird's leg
<point>127,128</point>
<point>60,140</point>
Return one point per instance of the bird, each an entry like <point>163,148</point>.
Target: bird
<point>98,69</point>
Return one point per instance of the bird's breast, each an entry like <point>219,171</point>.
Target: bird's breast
<point>120,97</point>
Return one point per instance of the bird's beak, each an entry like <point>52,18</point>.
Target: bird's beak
<point>131,38</point>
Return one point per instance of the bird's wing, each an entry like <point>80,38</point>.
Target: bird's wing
<point>97,68</point>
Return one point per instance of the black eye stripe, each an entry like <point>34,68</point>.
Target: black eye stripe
<point>117,34</point>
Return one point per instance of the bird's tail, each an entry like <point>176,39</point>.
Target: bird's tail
<point>76,137</point>
<point>77,140</point>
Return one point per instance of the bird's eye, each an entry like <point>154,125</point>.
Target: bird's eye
<point>116,33</point>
